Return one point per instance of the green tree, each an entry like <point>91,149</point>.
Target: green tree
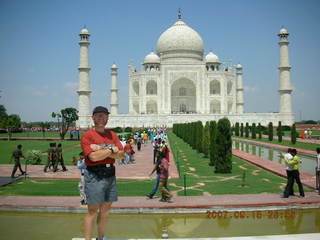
<point>253,131</point>
<point>199,131</point>
<point>260,130</point>
<point>213,138</point>
<point>293,134</point>
<point>206,140</point>
<point>241,130</point>
<point>223,163</point>
<point>10,123</point>
<point>246,130</point>
<point>3,113</point>
<point>279,132</point>
<point>237,129</point>
<point>270,131</point>
<point>67,116</point>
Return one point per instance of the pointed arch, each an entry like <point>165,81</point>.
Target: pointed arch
<point>215,88</point>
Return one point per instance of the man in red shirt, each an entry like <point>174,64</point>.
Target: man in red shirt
<point>100,146</point>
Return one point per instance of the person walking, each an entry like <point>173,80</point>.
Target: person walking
<point>164,175</point>
<point>101,147</point>
<point>288,157</point>
<point>59,159</point>
<point>16,155</point>
<point>52,157</point>
<point>295,165</point>
<point>158,171</point>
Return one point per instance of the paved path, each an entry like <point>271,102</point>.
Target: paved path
<point>139,170</point>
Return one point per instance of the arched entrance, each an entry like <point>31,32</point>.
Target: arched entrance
<point>183,96</point>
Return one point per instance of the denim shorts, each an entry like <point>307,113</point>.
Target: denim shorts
<point>100,190</point>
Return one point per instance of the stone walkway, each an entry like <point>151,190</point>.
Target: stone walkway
<point>139,170</point>
<point>142,168</point>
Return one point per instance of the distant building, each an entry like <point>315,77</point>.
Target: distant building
<point>179,83</point>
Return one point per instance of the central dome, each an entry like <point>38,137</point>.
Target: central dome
<point>180,40</point>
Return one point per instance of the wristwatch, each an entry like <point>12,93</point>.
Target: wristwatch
<point>110,148</point>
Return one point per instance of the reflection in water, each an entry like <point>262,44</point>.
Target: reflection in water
<point>308,163</point>
<point>56,226</point>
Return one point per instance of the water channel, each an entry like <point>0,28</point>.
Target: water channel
<point>308,164</point>
<point>62,226</point>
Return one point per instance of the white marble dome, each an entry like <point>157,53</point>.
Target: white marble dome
<point>84,31</point>
<point>151,58</point>
<point>283,31</point>
<point>239,66</point>
<point>114,66</point>
<point>212,58</point>
<point>180,38</point>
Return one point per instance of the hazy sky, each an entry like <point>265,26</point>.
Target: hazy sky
<point>40,51</point>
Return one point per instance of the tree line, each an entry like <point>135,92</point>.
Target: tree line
<point>213,140</point>
<point>241,130</point>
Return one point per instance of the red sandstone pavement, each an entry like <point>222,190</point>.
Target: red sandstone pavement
<point>140,170</point>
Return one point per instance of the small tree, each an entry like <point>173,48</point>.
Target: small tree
<point>279,132</point>
<point>3,113</point>
<point>253,131</point>
<point>270,131</point>
<point>199,131</point>
<point>237,133</point>
<point>223,163</point>
<point>68,116</point>
<point>246,130</point>
<point>293,134</point>
<point>260,131</point>
<point>10,123</point>
<point>241,130</point>
<point>206,140</point>
<point>213,146</point>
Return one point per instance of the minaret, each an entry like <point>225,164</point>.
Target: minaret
<point>84,81</point>
<point>114,90</point>
<point>240,101</point>
<point>284,68</point>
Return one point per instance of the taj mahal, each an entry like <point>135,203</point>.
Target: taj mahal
<point>180,83</point>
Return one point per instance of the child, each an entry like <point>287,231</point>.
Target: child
<point>82,167</point>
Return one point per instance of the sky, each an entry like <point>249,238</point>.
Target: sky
<point>40,51</point>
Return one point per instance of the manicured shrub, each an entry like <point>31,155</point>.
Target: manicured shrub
<point>206,140</point>
<point>279,132</point>
<point>241,130</point>
<point>213,146</point>
<point>270,131</point>
<point>237,129</point>
<point>246,130</point>
<point>223,163</point>
<point>293,134</point>
<point>253,131</point>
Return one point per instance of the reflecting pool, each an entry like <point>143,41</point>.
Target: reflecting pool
<point>308,163</point>
<point>60,226</point>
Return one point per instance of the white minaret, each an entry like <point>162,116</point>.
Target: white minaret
<point>285,88</point>
<point>114,90</point>
<point>84,81</point>
<point>240,101</point>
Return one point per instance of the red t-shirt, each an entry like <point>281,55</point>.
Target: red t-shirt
<point>127,148</point>
<point>93,137</point>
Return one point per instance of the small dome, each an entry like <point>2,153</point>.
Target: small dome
<point>151,58</point>
<point>283,31</point>
<point>114,66</point>
<point>239,66</point>
<point>212,58</point>
<point>180,38</point>
<point>84,31</point>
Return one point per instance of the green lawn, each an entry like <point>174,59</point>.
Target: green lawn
<point>70,149</point>
<point>200,179</point>
<point>35,135</point>
<point>302,145</point>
